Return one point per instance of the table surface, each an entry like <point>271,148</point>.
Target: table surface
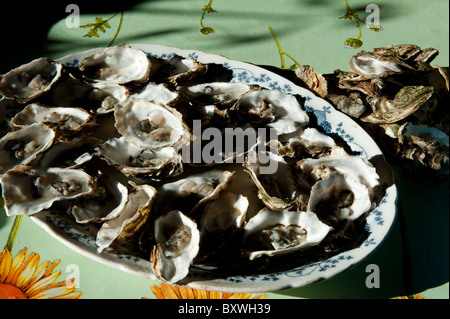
<point>311,32</point>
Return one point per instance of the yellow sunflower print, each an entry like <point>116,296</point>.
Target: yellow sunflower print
<point>177,292</point>
<point>22,277</point>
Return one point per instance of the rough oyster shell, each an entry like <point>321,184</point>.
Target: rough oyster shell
<point>279,232</point>
<point>119,64</point>
<point>28,190</point>
<point>30,80</point>
<point>177,244</point>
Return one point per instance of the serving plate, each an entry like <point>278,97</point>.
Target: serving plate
<point>81,237</point>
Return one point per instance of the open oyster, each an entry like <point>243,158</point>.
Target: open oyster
<point>28,190</point>
<point>279,232</point>
<point>66,120</point>
<point>275,184</point>
<point>274,109</point>
<point>150,125</point>
<point>130,220</point>
<point>120,64</point>
<point>339,197</point>
<point>193,191</point>
<point>359,169</point>
<point>22,146</point>
<point>133,160</point>
<point>177,243</point>
<point>30,80</point>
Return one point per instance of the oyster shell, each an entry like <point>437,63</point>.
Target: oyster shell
<point>310,140</point>
<point>65,120</point>
<point>108,95</point>
<point>27,190</point>
<point>190,192</point>
<point>339,197</point>
<point>119,64</point>
<point>274,109</point>
<point>130,220</point>
<point>407,100</point>
<point>359,169</point>
<point>24,145</point>
<point>133,160</point>
<point>279,232</point>
<point>215,93</point>
<point>150,125</point>
<point>30,80</point>
<point>276,189</point>
<point>177,243</point>
<point>106,203</point>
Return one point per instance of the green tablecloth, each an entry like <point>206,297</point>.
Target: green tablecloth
<point>311,32</point>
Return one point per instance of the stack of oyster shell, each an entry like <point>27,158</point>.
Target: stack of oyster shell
<point>102,142</point>
<point>400,99</point>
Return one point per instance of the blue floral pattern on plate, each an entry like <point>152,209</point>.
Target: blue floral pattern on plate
<point>81,238</point>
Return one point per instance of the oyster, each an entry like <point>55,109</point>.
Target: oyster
<point>214,93</point>
<point>130,220</point>
<point>106,203</point>
<point>310,140</point>
<point>311,170</point>
<point>339,197</point>
<point>274,109</point>
<point>313,80</point>
<point>156,92</point>
<point>407,100</point>
<point>177,243</point>
<point>190,192</point>
<point>28,190</point>
<point>426,145</point>
<point>108,95</point>
<point>279,232</point>
<point>65,120</point>
<point>30,80</point>
<point>276,188</point>
<point>133,160</point>
<point>119,64</point>
<point>150,125</point>
<point>22,146</point>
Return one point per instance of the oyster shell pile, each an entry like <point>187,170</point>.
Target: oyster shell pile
<point>399,98</point>
<point>103,143</point>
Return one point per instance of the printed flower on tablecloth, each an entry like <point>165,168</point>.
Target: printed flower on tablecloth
<point>177,292</point>
<point>22,278</point>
